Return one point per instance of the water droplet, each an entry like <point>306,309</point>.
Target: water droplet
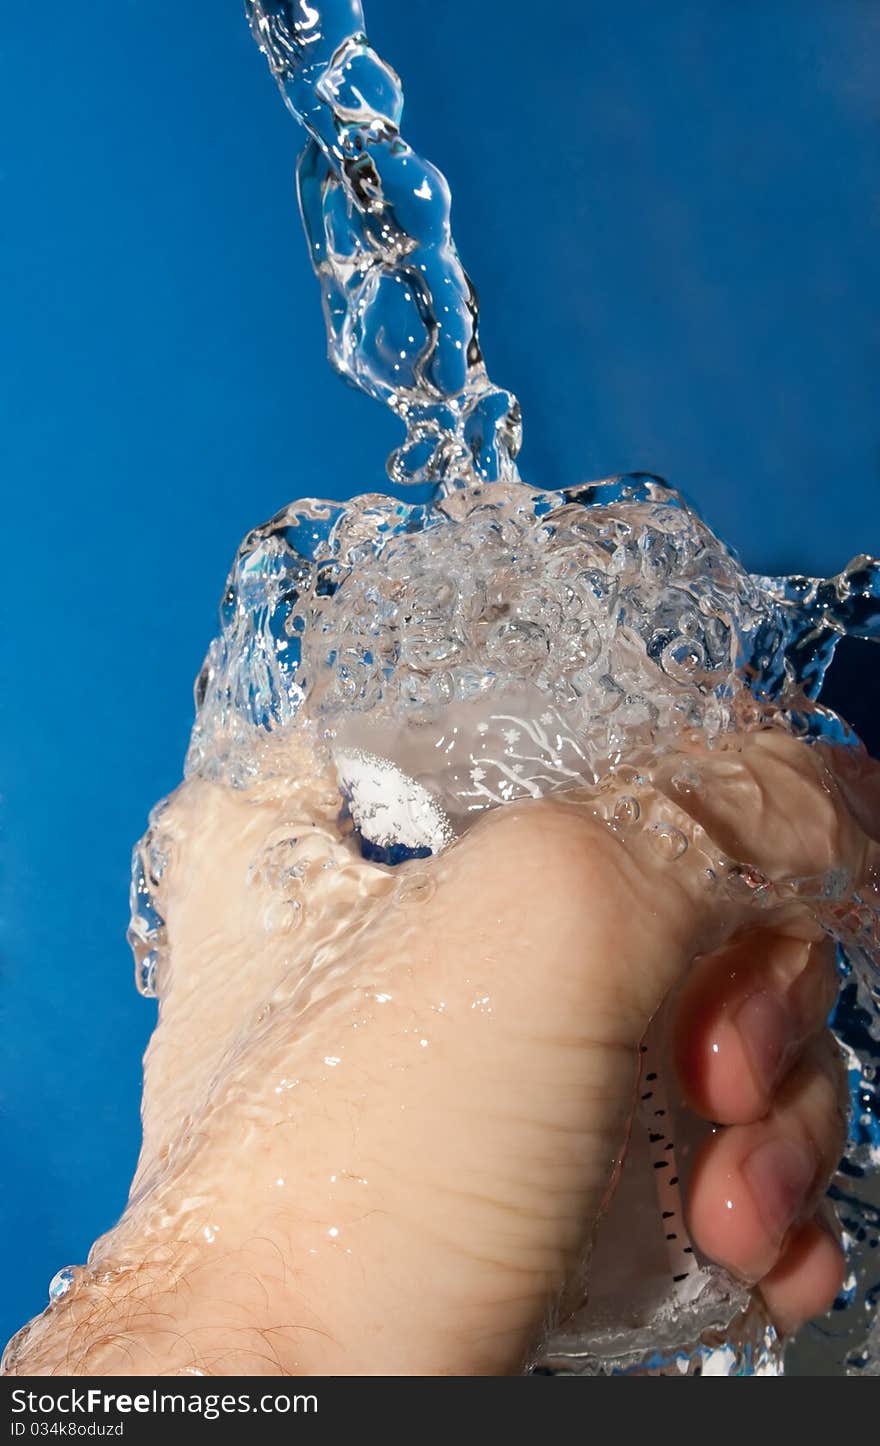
<point>669,841</point>
<point>624,773</point>
<point>627,810</point>
<point>62,1281</point>
<point>147,970</point>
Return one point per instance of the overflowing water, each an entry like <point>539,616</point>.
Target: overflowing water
<point>400,669</point>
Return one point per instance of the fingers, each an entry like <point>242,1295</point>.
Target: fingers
<point>744,1016</point>
<point>752,1184</point>
<point>806,1278</point>
<point>747,1017</point>
<point>751,1052</point>
<point>794,810</point>
<point>762,818</point>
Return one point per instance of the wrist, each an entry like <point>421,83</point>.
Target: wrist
<point>186,1313</point>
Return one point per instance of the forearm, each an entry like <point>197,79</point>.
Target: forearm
<point>346,1245</point>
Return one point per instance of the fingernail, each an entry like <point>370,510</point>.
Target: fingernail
<point>768,1033</point>
<point>779,1174</point>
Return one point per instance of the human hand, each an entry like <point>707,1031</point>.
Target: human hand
<point>378,1143</point>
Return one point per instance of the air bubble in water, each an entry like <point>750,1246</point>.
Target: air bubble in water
<point>520,646</point>
<point>683,659</point>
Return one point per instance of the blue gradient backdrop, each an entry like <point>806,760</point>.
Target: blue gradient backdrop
<point>671,212</point>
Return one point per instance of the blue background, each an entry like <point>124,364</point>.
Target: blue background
<point>671,212</point>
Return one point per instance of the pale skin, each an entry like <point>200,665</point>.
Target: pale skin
<point>454,1096</point>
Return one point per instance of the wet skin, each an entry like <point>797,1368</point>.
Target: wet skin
<point>376,1141</point>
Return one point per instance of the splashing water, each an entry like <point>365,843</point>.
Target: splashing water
<point>505,642</point>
